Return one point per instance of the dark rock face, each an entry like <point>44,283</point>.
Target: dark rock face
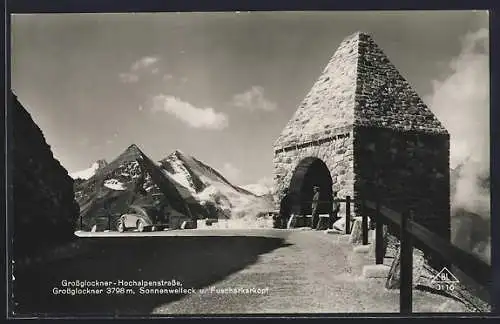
<point>45,210</point>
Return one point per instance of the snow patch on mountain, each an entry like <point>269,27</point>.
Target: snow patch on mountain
<point>114,185</point>
<point>179,173</point>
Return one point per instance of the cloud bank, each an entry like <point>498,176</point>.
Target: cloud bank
<point>128,77</point>
<point>206,118</point>
<point>143,63</point>
<point>461,101</point>
<point>253,100</point>
<point>141,66</point>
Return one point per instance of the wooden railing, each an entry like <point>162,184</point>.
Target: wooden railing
<point>410,231</point>
<point>469,264</point>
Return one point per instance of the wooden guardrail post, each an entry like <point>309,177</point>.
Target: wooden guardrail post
<point>364,223</point>
<point>379,236</point>
<point>348,214</point>
<point>478,270</point>
<point>406,268</point>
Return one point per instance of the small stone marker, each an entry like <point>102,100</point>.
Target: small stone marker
<point>339,225</point>
<point>361,249</point>
<point>357,232</point>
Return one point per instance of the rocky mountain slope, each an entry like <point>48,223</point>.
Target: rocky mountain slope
<point>45,210</point>
<point>211,189</point>
<point>190,186</point>
<point>132,178</point>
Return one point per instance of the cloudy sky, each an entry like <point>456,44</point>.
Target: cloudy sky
<point>221,86</point>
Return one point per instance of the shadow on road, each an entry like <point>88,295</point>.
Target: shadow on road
<point>194,261</point>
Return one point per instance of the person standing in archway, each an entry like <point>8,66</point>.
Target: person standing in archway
<point>315,207</point>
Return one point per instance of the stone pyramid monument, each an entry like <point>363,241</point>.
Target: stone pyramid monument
<point>359,86</point>
<point>363,122</point>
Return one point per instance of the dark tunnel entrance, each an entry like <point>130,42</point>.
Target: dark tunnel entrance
<point>310,172</point>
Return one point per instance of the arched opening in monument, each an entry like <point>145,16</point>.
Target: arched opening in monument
<point>310,172</point>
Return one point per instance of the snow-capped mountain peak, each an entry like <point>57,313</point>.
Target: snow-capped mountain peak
<point>210,187</point>
<point>194,174</point>
<point>179,153</point>
<point>88,173</point>
<point>190,186</point>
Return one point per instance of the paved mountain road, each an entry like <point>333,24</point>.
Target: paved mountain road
<point>299,272</point>
<point>316,273</point>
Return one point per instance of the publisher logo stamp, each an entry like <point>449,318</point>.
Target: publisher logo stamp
<point>445,280</point>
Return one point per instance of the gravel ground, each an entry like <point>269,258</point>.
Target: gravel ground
<point>315,273</point>
<point>300,271</point>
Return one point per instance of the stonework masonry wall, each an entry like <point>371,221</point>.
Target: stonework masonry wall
<point>384,98</point>
<point>397,150</point>
<point>330,102</point>
<point>337,154</point>
<point>405,170</point>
